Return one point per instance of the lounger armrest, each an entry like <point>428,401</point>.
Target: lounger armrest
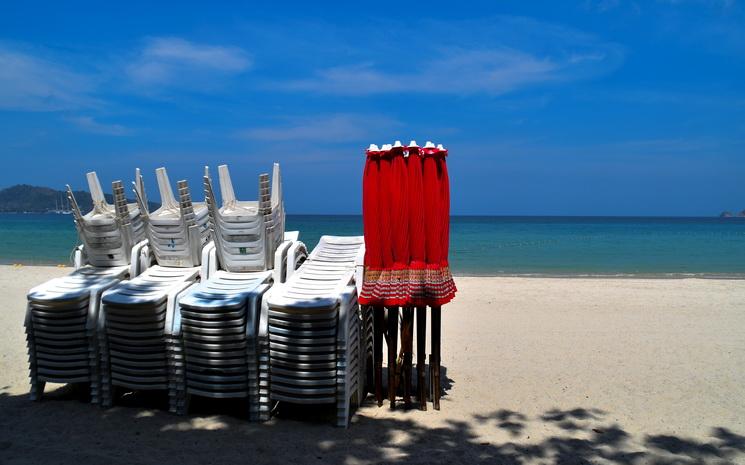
<point>347,303</point>
<point>173,309</point>
<point>280,260</point>
<point>297,251</point>
<point>135,259</point>
<point>292,236</point>
<point>263,315</point>
<point>78,257</point>
<point>94,300</point>
<point>214,261</point>
<point>254,321</point>
<point>29,316</point>
<point>209,260</point>
<point>101,321</point>
<point>147,257</point>
<point>359,269</point>
<point>288,253</point>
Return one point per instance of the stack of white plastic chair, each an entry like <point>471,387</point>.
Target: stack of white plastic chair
<point>134,352</point>
<point>108,232</point>
<point>176,231</point>
<point>219,346</point>
<point>62,314</point>
<point>317,351</point>
<point>246,233</point>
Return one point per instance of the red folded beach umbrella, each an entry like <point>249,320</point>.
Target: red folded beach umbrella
<point>399,227</point>
<point>440,288</point>
<point>385,199</point>
<point>444,206</point>
<point>406,217</point>
<point>417,250</point>
<point>371,220</point>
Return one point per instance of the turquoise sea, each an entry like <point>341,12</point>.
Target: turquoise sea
<point>488,245</point>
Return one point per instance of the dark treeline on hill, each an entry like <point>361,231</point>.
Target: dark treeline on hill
<point>36,199</point>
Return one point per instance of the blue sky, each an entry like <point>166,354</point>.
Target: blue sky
<point>562,108</point>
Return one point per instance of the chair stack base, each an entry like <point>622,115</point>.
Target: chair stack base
<point>316,343</point>
<point>132,331</point>
<point>367,348</point>
<point>215,348</point>
<point>310,364</point>
<point>60,326</point>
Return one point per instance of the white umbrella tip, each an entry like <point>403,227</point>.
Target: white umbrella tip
<point>413,144</point>
<point>373,148</point>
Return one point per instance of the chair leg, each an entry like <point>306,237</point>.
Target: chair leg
<point>434,360</point>
<point>392,329</point>
<point>37,389</point>
<point>378,324</point>
<point>421,356</point>
<point>407,342</point>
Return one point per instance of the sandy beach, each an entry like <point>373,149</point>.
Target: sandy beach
<point>538,370</point>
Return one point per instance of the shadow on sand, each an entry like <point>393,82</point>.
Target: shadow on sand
<point>63,428</point>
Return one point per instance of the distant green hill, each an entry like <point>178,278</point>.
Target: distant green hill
<point>36,199</point>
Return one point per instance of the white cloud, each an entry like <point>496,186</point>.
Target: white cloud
<point>455,71</point>
<point>32,83</point>
<point>170,60</point>
<point>714,3</point>
<point>89,124</point>
<point>602,5</point>
<point>490,56</point>
<point>328,128</point>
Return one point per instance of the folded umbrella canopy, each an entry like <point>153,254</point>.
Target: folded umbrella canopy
<point>406,219</point>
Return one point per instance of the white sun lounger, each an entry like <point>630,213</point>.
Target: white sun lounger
<point>315,343</point>
<point>131,328</point>
<point>218,336</point>
<point>62,314</point>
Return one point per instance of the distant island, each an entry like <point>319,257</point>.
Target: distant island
<point>729,214</point>
<point>23,198</point>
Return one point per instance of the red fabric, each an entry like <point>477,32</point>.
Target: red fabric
<point>406,217</point>
<point>416,209</point>
<point>399,207</point>
<point>432,217</point>
<point>371,219</point>
<point>385,198</point>
<point>444,207</point>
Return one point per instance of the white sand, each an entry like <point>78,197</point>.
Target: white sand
<point>624,371</point>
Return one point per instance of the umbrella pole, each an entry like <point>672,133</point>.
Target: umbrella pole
<point>407,343</point>
<point>378,324</point>
<point>421,356</point>
<point>392,329</point>
<point>434,358</point>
